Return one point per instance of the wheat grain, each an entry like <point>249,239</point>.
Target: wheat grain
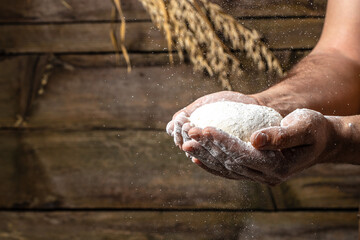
<point>213,40</point>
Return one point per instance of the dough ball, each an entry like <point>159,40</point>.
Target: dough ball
<point>237,119</point>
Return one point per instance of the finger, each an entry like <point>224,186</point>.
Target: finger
<point>196,150</point>
<point>170,128</point>
<point>228,144</point>
<point>252,174</point>
<point>243,154</point>
<point>179,121</point>
<point>185,131</point>
<point>274,138</point>
<point>184,110</point>
<point>227,174</point>
<point>229,164</point>
<point>200,136</point>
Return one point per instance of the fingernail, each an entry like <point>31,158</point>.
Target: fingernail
<point>168,129</point>
<point>188,149</point>
<point>208,135</point>
<point>196,137</point>
<point>261,139</point>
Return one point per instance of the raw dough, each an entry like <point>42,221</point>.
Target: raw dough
<point>237,119</point>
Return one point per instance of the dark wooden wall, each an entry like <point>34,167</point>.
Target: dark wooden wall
<point>85,156</point>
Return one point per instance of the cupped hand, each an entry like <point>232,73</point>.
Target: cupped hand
<point>180,120</point>
<point>304,138</point>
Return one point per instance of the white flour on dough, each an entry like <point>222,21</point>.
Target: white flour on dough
<point>237,119</point>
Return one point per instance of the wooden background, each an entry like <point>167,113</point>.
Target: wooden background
<point>92,160</point>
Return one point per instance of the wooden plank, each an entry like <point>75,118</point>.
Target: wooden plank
<point>143,169</point>
<point>8,91</point>
<point>109,97</point>
<point>141,36</point>
<point>97,10</point>
<point>322,186</point>
<point>15,74</point>
<point>97,93</point>
<point>178,225</point>
<point>78,89</point>
<point>287,59</point>
<point>302,225</point>
<point>112,169</point>
<point>20,77</point>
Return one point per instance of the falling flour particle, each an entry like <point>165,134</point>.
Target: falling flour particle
<point>237,119</point>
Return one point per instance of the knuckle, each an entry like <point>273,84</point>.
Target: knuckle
<point>186,127</point>
<point>279,138</point>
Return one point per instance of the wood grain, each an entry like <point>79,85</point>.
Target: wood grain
<point>302,225</point>
<point>110,97</point>
<point>16,75</point>
<point>143,169</point>
<point>8,90</point>
<point>337,185</point>
<point>87,83</point>
<point>97,10</point>
<point>95,92</point>
<point>112,169</point>
<point>178,225</point>
<point>286,33</point>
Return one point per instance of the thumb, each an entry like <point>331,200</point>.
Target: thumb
<point>275,138</point>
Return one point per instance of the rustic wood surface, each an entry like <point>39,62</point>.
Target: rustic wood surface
<point>94,10</point>
<point>96,92</point>
<point>302,225</point>
<point>112,169</point>
<point>143,169</point>
<point>94,140</point>
<point>9,83</point>
<point>205,225</point>
<point>322,186</point>
<point>141,36</point>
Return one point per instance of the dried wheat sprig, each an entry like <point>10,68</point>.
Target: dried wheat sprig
<point>119,45</point>
<point>166,26</point>
<point>202,44</point>
<point>113,37</point>
<point>242,38</point>
<point>211,38</point>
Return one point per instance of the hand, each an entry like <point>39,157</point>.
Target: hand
<point>180,120</point>
<point>304,138</point>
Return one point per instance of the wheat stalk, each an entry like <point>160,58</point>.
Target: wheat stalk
<point>119,45</point>
<point>213,40</point>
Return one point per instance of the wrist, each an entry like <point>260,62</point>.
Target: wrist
<point>335,140</point>
<point>343,144</point>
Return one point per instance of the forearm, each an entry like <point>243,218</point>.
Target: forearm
<point>345,145</point>
<point>327,82</point>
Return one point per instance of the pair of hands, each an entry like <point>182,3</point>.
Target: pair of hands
<point>304,138</point>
